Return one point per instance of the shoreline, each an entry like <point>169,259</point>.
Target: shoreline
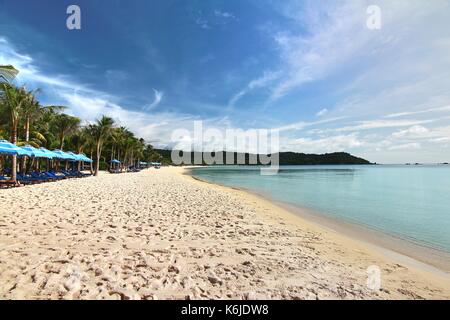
<point>400,250</point>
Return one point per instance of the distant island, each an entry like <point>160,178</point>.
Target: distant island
<point>286,158</point>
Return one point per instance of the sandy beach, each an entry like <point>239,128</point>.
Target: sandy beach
<point>159,234</point>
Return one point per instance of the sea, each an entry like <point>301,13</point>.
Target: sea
<point>411,202</point>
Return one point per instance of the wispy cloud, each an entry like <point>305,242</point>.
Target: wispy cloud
<point>224,14</point>
<point>263,81</point>
<point>158,97</point>
<point>303,124</point>
<point>203,23</point>
<point>30,74</point>
<point>215,18</point>
<point>410,113</point>
<point>380,124</point>
<point>322,112</point>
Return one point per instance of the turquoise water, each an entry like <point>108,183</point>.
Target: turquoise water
<point>412,202</point>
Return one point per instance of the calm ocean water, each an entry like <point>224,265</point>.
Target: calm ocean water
<point>411,202</point>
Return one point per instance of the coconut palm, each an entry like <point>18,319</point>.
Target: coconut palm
<point>12,100</point>
<point>30,111</point>
<point>65,125</point>
<point>100,131</point>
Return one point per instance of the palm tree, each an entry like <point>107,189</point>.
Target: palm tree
<point>65,125</point>
<point>100,132</point>
<point>12,100</point>
<point>31,111</point>
<point>115,139</point>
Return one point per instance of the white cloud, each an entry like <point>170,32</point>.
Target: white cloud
<point>303,124</point>
<point>420,133</point>
<point>412,131</point>
<point>322,112</point>
<point>203,23</point>
<point>409,113</point>
<point>224,14</point>
<point>379,124</point>
<point>334,34</point>
<point>322,145</point>
<point>158,97</point>
<point>264,80</point>
<point>406,146</point>
<point>30,75</point>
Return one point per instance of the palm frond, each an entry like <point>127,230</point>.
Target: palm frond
<point>8,73</point>
<point>39,136</point>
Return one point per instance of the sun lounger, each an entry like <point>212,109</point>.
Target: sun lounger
<point>69,174</point>
<point>25,179</point>
<point>40,176</point>
<point>54,176</point>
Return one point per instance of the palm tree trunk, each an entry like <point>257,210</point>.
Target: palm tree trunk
<point>97,163</point>
<point>14,157</point>
<point>61,144</point>
<point>90,164</point>
<point>27,129</point>
<point>27,138</point>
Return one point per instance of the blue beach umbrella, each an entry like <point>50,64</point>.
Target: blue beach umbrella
<point>64,155</point>
<point>48,153</point>
<point>8,148</point>
<point>75,156</point>
<point>84,158</point>
<point>80,157</point>
<point>35,152</point>
<point>115,161</point>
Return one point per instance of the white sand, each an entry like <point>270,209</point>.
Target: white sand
<point>160,235</point>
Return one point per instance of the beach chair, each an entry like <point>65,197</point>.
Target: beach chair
<point>83,175</point>
<point>69,174</point>
<point>40,177</point>
<point>25,179</point>
<point>60,174</point>
<point>53,176</point>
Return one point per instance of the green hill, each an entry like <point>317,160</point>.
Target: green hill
<point>288,158</point>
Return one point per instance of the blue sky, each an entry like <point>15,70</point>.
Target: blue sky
<point>309,68</point>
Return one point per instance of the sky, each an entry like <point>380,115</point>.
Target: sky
<point>311,69</point>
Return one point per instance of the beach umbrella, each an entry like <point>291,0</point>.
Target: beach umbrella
<point>115,161</point>
<point>35,152</point>
<point>48,153</point>
<point>11,149</point>
<point>75,156</point>
<point>85,159</point>
<point>64,155</point>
